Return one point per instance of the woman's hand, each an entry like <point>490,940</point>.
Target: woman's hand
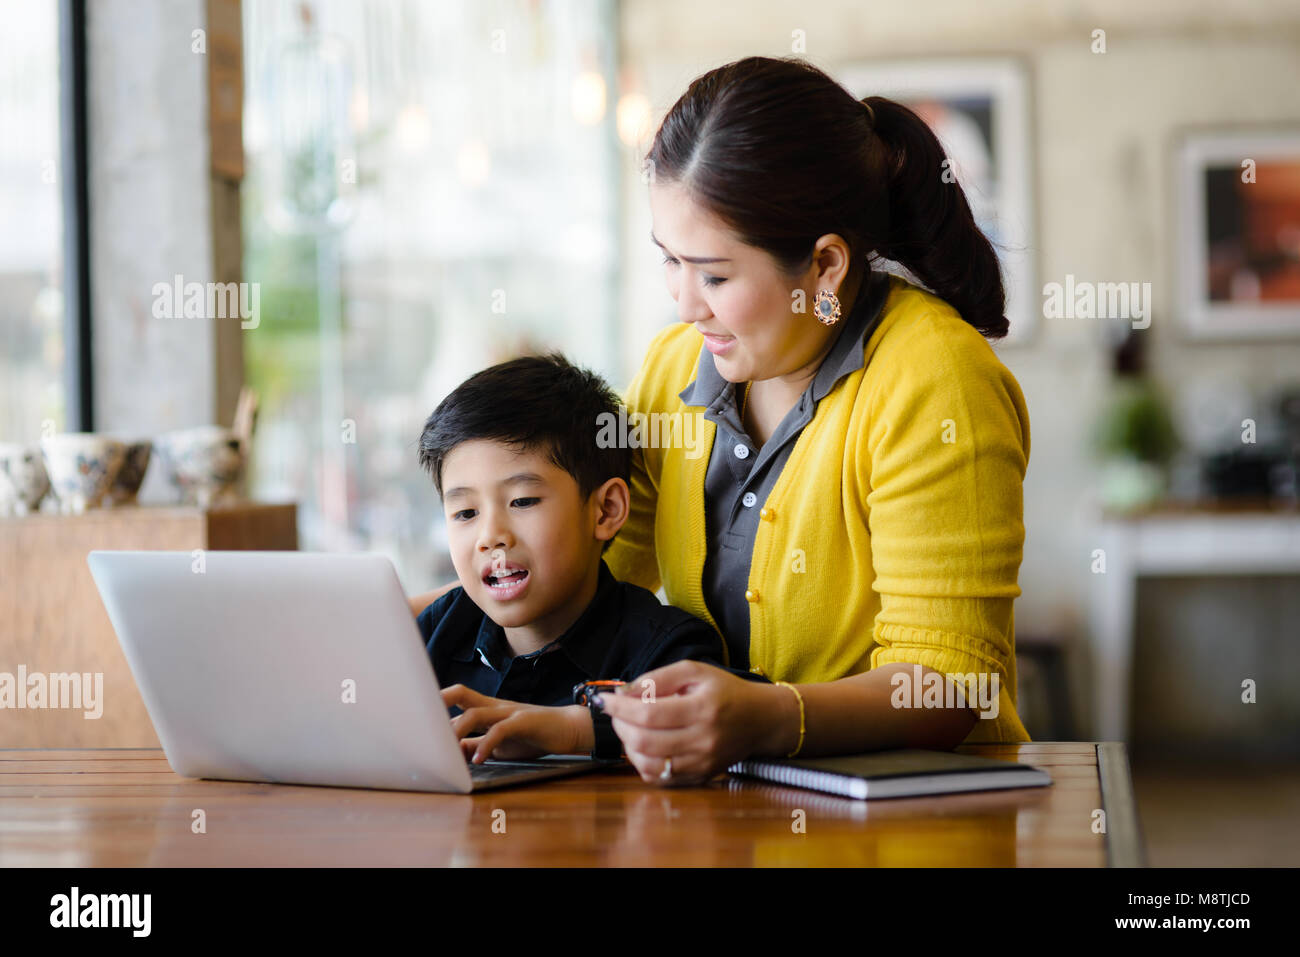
<point>701,717</point>
<point>515,731</point>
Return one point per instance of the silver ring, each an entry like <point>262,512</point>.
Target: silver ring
<point>667,773</point>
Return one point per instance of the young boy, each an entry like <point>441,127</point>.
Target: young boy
<point>532,501</point>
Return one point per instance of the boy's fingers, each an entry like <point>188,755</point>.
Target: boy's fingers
<point>496,735</point>
<point>463,697</point>
<point>475,719</point>
<point>466,722</point>
<point>674,711</point>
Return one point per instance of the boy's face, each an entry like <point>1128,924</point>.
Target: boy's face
<point>522,537</point>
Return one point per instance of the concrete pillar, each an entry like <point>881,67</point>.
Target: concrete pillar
<point>157,210</point>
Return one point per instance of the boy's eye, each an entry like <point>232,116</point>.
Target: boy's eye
<point>464,515</point>
<point>526,502</point>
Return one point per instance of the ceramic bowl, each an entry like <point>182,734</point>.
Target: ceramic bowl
<point>130,477</point>
<point>23,480</point>
<point>204,464</point>
<point>82,467</point>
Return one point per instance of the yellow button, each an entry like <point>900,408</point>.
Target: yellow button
<point>766,513</point>
<point>757,670</point>
<point>751,596</point>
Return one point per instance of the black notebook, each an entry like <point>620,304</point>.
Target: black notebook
<point>890,774</point>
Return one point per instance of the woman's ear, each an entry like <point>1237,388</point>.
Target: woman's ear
<point>831,262</point>
<point>612,501</point>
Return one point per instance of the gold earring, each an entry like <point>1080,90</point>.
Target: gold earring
<point>826,307</point>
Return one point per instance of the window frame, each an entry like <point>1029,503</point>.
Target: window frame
<point>78,355</point>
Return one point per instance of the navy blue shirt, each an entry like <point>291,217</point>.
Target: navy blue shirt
<point>624,632</point>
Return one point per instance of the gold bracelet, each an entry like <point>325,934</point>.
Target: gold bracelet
<point>799,698</point>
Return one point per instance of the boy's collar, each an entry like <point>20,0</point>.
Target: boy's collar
<point>583,641</point>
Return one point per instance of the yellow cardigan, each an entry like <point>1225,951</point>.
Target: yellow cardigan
<point>895,531</point>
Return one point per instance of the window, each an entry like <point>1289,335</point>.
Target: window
<point>431,188</point>
<point>32,389</point>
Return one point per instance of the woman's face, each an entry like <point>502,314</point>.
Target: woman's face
<point>736,296</point>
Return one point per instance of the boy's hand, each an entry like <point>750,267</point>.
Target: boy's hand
<point>514,730</point>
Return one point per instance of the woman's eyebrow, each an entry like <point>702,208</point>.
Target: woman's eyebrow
<point>690,259</point>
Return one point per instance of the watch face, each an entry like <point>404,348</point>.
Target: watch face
<point>585,690</point>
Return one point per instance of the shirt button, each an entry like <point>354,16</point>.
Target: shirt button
<point>766,513</point>
<point>749,499</point>
<point>742,451</point>
<point>751,596</point>
<point>756,670</point>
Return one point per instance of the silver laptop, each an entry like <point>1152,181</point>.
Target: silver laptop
<point>291,668</point>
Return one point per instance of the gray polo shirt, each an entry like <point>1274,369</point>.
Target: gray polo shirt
<point>741,475</point>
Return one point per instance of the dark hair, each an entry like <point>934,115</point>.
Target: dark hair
<point>531,403</point>
<point>783,154</point>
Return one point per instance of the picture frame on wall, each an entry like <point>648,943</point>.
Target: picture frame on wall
<point>979,110</point>
<point>1237,233</point>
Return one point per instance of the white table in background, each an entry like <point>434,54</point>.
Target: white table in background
<point>1206,541</point>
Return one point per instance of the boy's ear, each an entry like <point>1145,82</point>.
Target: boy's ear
<point>612,501</point>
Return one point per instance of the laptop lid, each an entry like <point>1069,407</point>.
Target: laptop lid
<point>287,667</point>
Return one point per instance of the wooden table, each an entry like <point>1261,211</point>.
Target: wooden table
<point>127,808</point>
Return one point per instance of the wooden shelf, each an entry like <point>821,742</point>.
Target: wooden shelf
<point>52,619</point>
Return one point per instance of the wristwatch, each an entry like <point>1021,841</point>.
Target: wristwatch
<point>608,746</point>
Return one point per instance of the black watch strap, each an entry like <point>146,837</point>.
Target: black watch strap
<point>608,746</point>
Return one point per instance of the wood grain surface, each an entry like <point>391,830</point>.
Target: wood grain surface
<point>127,808</point>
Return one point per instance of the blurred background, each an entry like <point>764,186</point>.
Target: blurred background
<point>417,190</point>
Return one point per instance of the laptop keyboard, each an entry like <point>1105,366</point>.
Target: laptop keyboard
<point>489,772</point>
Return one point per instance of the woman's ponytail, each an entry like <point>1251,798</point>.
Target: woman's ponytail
<point>931,230</point>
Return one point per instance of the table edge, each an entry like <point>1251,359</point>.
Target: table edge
<point>1124,845</point>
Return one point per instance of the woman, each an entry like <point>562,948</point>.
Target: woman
<point>855,527</point>
<point>860,510</point>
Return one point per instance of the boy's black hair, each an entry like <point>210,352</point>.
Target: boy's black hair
<point>532,403</point>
